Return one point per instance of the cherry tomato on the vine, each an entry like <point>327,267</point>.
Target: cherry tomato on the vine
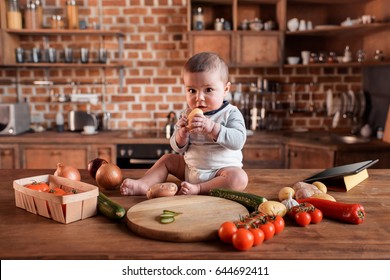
<point>278,222</point>
<point>316,216</point>
<point>243,239</point>
<point>269,230</point>
<point>258,235</point>
<point>302,218</point>
<point>226,231</point>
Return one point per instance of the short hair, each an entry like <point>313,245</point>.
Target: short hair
<point>207,61</point>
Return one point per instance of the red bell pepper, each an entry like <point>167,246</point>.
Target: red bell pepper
<point>350,213</point>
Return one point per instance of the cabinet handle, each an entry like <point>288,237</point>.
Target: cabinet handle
<point>55,153</point>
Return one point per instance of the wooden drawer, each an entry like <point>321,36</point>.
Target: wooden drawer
<point>47,156</point>
<point>263,156</point>
<point>310,158</point>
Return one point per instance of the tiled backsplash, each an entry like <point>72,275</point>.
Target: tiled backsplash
<point>155,48</point>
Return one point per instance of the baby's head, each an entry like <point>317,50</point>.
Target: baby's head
<point>206,62</point>
<point>206,79</point>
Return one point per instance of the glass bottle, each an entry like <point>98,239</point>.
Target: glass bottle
<point>198,19</point>
<point>39,14</point>
<point>170,125</point>
<point>72,14</point>
<point>14,15</point>
<point>30,16</point>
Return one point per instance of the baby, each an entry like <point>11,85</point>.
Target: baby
<point>209,144</point>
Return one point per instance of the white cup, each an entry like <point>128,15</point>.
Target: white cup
<point>89,129</point>
<point>305,57</point>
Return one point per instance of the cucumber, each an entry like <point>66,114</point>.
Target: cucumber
<point>249,200</point>
<point>109,208</point>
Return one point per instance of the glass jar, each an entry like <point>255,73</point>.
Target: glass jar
<point>14,15</point>
<point>72,14</point>
<point>198,19</point>
<point>30,16</point>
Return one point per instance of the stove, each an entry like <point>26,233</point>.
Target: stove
<point>141,155</point>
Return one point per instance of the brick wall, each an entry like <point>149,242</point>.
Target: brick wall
<point>155,47</point>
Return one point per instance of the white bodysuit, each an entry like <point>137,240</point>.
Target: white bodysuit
<point>204,156</point>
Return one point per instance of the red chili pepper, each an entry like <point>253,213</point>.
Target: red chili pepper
<point>346,212</point>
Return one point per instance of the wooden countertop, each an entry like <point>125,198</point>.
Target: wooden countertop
<point>28,236</point>
<point>317,139</point>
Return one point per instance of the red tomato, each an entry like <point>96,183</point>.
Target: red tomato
<point>258,235</point>
<point>38,186</point>
<point>302,218</point>
<point>58,192</point>
<point>316,216</point>
<point>243,239</point>
<point>278,222</point>
<point>269,230</point>
<point>226,231</point>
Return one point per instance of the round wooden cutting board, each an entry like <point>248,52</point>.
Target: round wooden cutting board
<point>200,219</point>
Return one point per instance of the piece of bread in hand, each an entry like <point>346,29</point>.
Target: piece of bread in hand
<point>194,112</point>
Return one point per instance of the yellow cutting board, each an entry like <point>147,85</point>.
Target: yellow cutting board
<point>200,219</point>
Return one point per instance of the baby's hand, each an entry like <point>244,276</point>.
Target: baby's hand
<point>181,127</point>
<point>201,124</point>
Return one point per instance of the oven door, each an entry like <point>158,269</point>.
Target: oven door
<point>140,156</point>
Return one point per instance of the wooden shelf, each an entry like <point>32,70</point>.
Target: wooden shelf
<point>341,30</point>
<point>351,64</point>
<point>62,65</point>
<point>61,32</point>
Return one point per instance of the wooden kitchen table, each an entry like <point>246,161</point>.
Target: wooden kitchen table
<point>28,236</point>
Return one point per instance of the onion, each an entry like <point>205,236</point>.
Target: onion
<point>67,171</point>
<point>93,166</point>
<point>109,176</point>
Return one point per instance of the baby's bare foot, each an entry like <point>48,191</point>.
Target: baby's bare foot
<point>133,187</point>
<point>187,189</point>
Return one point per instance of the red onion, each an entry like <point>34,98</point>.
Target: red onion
<point>94,165</point>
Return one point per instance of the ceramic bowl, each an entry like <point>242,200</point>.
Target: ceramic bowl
<point>293,24</point>
<point>292,60</point>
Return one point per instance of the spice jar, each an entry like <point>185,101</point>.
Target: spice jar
<point>30,16</point>
<point>72,14</point>
<point>14,15</point>
<point>57,22</point>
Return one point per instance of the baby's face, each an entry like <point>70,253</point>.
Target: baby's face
<point>205,90</point>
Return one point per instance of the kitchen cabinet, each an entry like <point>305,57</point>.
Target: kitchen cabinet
<point>238,46</point>
<point>9,155</point>
<point>263,156</point>
<point>269,48</point>
<point>309,157</point>
<point>107,152</point>
<point>36,156</point>
<point>47,156</point>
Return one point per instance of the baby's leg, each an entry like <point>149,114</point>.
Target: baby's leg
<point>158,173</point>
<point>233,178</point>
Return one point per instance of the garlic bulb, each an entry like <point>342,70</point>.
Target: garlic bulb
<point>290,202</point>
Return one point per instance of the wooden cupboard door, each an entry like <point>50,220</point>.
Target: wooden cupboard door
<point>218,42</point>
<point>263,156</point>
<point>9,157</point>
<point>107,152</point>
<point>309,158</point>
<point>47,157</point>
<point>254,49</point>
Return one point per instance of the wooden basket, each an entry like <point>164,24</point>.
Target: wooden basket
<point>64,209</point>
